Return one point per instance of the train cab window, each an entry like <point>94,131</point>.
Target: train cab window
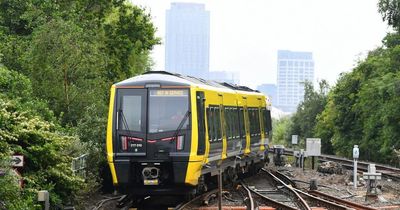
<point>130,113</point>
<point>167,109</point>
<point>131,109</point>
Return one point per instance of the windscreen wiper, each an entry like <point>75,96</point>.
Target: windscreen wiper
<point>123,119</point>
<point>181,124</point>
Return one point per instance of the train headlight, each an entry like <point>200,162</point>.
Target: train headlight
<point>180,143</point>
<point>124,143</point>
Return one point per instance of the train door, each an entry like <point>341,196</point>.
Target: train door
<point>246,124</point>
<point>255,133</point>
<point>201,127</point>
<point>131,122</point>
<point>214,132</point>
<point>232,131</point>
<point>242,129</point>
<point>222,125</point>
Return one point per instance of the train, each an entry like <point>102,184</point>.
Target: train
<point>171,134</point>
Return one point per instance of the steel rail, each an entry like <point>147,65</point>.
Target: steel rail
<point>319,202</point>
<point>387,171</point>
<point>340,201</point>
<point>285,178</point>
<point>188,203</point>
<point>273,202</point>
<point>251,201</point>
<point>302,204</point>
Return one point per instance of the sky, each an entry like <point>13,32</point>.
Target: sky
<point>246,34</point>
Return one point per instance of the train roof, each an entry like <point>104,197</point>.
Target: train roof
<point>165,78</point>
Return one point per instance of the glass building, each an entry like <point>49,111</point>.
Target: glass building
<point>270,91</point>
<point>294,68</point>
<point>187,39</point>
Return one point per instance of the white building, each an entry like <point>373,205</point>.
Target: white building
<point>294,68</point>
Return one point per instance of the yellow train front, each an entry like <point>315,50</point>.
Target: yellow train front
<point>170,134</point>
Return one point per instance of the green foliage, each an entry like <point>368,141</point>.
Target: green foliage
<point>67,55</point>
<point>12,83</point>
<point>129,35</point>
<point>45,145</point>
<point>11,196</point>
<point>305,119</point>
<point>280,134</point>
<point>363,107</point>
<point>63,57</point>
<point>390,11</point>
<point>74,50</point>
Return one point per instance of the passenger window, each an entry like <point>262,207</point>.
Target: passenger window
<point>228,123</point>
<point>250,111</point>
<point>267,121</point>
<point>257,115</point>
<point>210,124</point>
<point>231,122</point>
<point>235,123</point>
<point>218,124</point>
<point>242,122</point>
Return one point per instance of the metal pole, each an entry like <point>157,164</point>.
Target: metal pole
<point>44,198</point>
<point>355,173</point>
<point>220,189</point>
<point>312,160</point>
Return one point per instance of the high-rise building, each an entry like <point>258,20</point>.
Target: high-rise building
<point>187,39</point>
<point>270,91</point>
<point>294,68</point>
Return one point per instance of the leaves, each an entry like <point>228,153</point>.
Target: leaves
<point>363,107</point>
<point>390,11</point>
<point>305,119</point>
<point>53,105</point>
<point>45,146</point>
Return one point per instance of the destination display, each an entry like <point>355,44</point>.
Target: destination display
<point>168,92</point>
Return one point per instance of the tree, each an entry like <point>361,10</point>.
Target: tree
<point>390,11</point>
<point>304,120</point>
<point>129,36</point>
<point>363,107</point>
<point>280,134</point>
<point>67,59</point>
<point>46,146</point>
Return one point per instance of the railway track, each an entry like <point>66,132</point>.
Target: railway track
<point>275,190</point>
<point>195,201</point>
<point>298,199</point>
<point>348,204</point>
<point>388,171</point>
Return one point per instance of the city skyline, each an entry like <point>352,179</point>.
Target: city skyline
<point>294,69</point>
<point>245,35</point>
<point>187,39</point>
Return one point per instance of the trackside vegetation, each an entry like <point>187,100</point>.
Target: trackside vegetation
<point>363,107</point>
<point>58,60</point>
